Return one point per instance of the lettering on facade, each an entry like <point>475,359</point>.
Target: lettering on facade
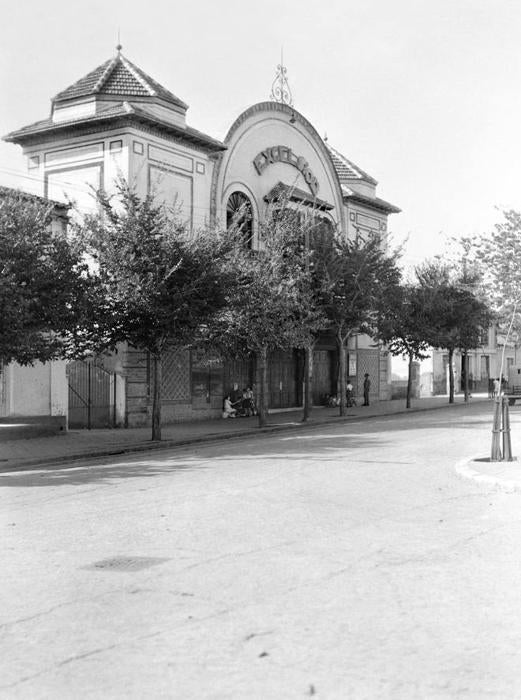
<point>284,154</point>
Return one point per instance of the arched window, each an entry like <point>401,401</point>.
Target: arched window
<point>239,213</point>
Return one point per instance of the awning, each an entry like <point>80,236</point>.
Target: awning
<point>294,194</point>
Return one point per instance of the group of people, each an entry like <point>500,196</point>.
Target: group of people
<point>350,397</point>
<point>239,403</point>
<point>333,400</point>
<point>495,386</point>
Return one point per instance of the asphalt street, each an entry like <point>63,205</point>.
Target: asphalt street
<point>344,561</point>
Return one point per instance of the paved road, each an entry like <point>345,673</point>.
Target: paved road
<point>344,562</point>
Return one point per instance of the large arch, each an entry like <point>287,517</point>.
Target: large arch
<point>270,144</point>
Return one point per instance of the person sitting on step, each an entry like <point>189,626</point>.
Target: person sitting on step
<point>228,410</point>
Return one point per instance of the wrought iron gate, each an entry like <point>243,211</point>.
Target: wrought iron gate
<point>92,395</point>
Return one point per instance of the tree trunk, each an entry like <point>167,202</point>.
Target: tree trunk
<point>308,382</point>
<point>409,383</point>
<point>451,376</point>
<point>156,398</point>
<point>466,382</point>
<point>342,383</point>
<point>262,383</point>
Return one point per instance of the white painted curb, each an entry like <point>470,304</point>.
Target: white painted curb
<point>464,469</point>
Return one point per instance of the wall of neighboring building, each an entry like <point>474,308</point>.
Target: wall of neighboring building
<point>484,364</point>
<point>38,392</point>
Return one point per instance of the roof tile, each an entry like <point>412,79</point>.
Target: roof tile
<point>346,169</point>
<point>118,77</point>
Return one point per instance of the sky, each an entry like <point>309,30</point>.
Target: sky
<point>425,96</point>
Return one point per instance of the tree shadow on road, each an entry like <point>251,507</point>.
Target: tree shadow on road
<point>99,474</point>
<point>314,441</point>
<point>326,446</point>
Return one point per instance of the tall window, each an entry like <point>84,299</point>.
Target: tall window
<point>239,213</point>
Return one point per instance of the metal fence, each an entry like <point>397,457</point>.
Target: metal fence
<point>92,395</point>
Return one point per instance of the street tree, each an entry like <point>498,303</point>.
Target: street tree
<point>402,328</point>
<point>498,254</point>
<point>355,277</point>
<point>269,307</point>
<point>161,285</point>
<point>454,312</point>
<point>45,285</point>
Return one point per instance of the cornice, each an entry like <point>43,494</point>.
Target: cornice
<point>116,124</point>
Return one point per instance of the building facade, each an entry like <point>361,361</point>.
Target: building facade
<point>118,122</point>
<point>484,364</point>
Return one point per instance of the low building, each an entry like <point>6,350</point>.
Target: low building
<point>484,363</point>
<point>34,399</point>
<point>116,121</point>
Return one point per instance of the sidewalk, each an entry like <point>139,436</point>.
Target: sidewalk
<point>79,444</point>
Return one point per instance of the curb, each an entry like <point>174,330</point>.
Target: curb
<point>464,470</point>
<point>149,446</point>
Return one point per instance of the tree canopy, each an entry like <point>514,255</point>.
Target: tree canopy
<point>269,306</point>
<point>455,314</point>
<point>402,327</point>
<point>498,255</point>
<point>355,278</point>
<point>160,284</point>
<point>45,284</point>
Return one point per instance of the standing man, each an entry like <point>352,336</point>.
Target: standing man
<point>367,387</point>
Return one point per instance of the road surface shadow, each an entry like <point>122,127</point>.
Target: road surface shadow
<point>107,470</point>
<point>97,474</point>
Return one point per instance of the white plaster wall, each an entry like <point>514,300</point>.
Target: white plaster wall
<point>59,388</point>
<point>40,390</point>
<point>365,220</point>
<point>188,166</point>
<point>363,187</point>
<point>71,164</point>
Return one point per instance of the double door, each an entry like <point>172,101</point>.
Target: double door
<point>285,376</point>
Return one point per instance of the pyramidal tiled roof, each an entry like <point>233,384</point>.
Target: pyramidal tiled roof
<point>118,77</point>
<point>346,170</point>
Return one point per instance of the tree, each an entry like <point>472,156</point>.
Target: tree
<point>355,277</point>
<point>269,306</point>
<point>498,255</point>
<point>455,315</point>
<point>45,285</point>
<point>161,285</point>
<point>402,328</point>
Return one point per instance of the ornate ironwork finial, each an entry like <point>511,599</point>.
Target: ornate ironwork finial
<point>119,47</point>
<point>280,90</point>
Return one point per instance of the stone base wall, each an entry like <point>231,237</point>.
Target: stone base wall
<point>180,404</point>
